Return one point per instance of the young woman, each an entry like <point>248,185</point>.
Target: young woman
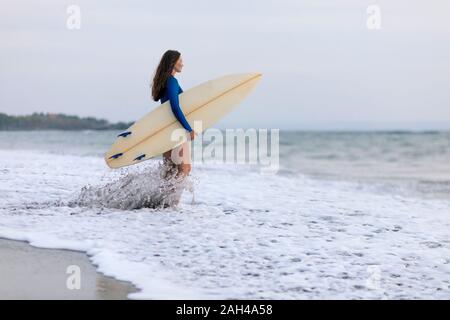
<point>165,87</point>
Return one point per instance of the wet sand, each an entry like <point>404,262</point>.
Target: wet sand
<point>27,272</point>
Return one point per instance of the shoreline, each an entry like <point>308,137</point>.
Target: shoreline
<point>28,272</point>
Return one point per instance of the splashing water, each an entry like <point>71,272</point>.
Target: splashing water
<point>148,187</point>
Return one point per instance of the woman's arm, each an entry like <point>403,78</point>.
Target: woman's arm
<point>172,93</point>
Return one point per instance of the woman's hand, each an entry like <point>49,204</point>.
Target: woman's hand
<point>192,134</point>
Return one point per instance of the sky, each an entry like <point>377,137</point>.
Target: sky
<point>323,67</point>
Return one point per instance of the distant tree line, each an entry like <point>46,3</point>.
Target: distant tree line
<point>57,121</point>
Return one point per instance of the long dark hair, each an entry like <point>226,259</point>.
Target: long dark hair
<point>163,71</point>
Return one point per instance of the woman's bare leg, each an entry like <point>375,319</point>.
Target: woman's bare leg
<point>184,154</point>
<point>184,168</point>
<point>177,166</point>
<point>169,165</point>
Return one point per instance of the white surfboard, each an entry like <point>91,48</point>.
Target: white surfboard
<point>150,136</point>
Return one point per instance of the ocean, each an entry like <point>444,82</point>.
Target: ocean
<point>354,215</point>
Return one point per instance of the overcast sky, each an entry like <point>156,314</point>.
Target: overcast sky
<point>323,68</point>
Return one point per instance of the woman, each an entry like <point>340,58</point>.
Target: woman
<point>165,87</point>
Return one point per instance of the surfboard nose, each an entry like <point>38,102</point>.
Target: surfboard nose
<point>254,74</point>
<point>250,75</point>
<point>255,77</point>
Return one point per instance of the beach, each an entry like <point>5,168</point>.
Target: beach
<point>35,273</point>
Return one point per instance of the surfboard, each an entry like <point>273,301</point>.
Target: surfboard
<point>151,135</point>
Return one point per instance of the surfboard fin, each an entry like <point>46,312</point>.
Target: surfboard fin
<point>124,134</point>
<point>140,157</point>
<point>115,156</point>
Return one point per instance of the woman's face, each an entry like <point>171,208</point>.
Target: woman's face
<point>178,65</point>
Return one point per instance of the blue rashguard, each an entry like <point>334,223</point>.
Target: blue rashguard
<point>171,93</point>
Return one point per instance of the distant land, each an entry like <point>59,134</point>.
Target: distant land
<point>57,121</point>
